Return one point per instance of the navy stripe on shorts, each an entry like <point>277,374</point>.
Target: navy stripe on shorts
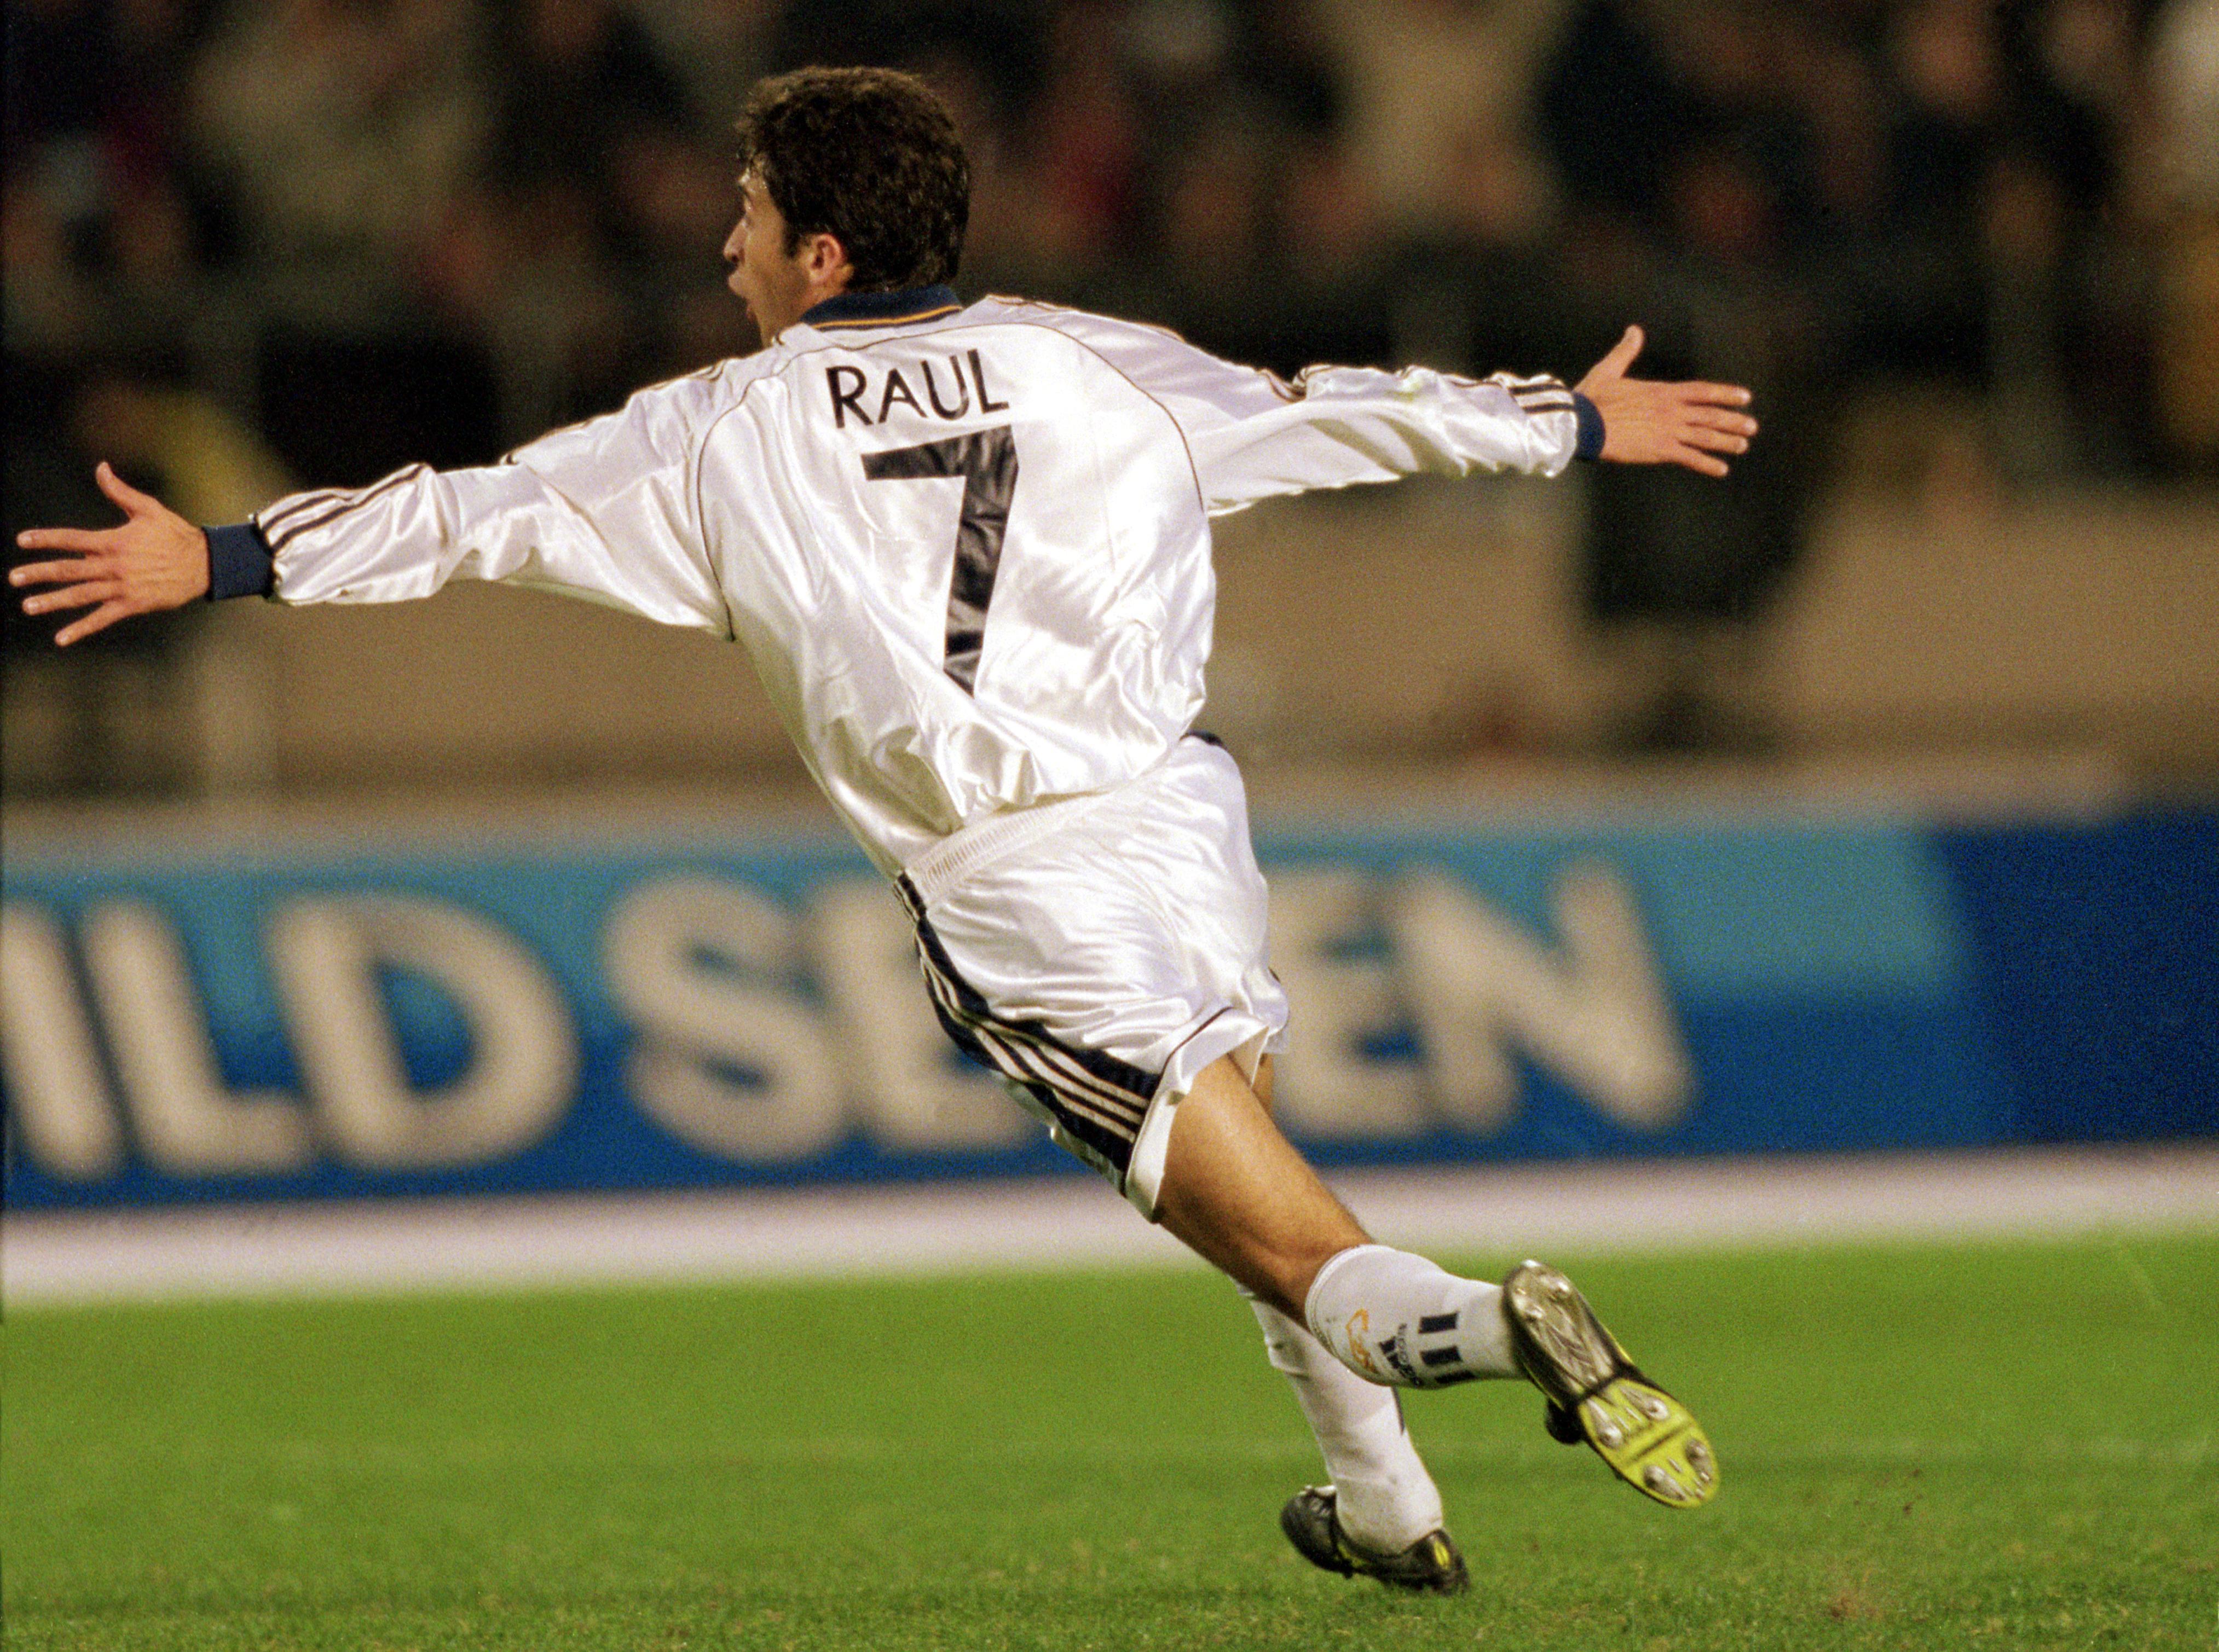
<point>1095,1100</point>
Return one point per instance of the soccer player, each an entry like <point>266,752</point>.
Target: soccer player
<point>967,547</point>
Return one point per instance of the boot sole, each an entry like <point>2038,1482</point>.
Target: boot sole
<point>1648,1439</point>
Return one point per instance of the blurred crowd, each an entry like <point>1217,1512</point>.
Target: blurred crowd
<point>252,237</point>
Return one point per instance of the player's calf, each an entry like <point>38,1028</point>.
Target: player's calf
<point>1384,1502</point>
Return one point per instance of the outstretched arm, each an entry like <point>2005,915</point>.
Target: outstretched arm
<point>602,510</point>
<point>153,559</point>
<point>1648,422</point>
<point>1254,437</point>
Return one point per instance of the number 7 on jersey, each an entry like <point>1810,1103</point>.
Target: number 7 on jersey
<point>987,462</point>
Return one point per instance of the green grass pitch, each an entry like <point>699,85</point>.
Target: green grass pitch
<point>1994,1446</point>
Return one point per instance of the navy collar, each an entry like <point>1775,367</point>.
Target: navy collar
<point>882,309</point>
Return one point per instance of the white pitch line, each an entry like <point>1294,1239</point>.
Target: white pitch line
<point>1073,1222</point>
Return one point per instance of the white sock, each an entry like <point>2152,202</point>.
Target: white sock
<point>1385,1499</point>
<point>1396,1317</point>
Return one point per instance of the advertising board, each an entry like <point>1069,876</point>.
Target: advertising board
<point>194,1026</point>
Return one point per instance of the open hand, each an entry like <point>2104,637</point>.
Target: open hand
<point>1648,422</point>
<point>154,559</point>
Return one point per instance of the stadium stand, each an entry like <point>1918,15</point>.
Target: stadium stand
<point>1963,253</point>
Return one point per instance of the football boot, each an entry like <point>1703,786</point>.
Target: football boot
<point>1598,1397</point>
<point>1311,1520</point>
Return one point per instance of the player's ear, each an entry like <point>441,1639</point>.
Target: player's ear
<point>825,258</point>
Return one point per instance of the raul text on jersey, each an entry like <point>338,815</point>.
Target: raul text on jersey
<point>915,385</point>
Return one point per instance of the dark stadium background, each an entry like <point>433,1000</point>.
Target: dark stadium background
<point>1966,254</point>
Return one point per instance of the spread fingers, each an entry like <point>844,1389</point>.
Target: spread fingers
<point>49,573</point>
<point>1720,419</point>
<point>1716,396</point>
<point>99,619</point>
<point>85,540</point>
<point>70,596</point>
<point>1717,441</point>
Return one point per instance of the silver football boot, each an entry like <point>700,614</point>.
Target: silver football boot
<point>1599,1397</point>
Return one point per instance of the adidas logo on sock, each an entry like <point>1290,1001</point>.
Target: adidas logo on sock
<point>1441,1358</point>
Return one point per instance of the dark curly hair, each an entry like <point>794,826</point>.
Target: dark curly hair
<point>869,156</point>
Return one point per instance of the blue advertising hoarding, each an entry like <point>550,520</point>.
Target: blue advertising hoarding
<point>306,1025</point>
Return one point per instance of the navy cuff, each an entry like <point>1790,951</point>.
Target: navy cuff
<point>240,563</point>
<point>1591,432</point>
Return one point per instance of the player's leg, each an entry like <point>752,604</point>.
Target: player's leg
<point>1236,1191</point>
<point>1050,954</point>
<point>1379,1511</point>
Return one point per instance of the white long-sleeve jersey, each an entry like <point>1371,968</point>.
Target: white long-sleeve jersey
<point>968,549</point>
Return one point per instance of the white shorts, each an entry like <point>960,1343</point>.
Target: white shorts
<point>1100,951</point>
